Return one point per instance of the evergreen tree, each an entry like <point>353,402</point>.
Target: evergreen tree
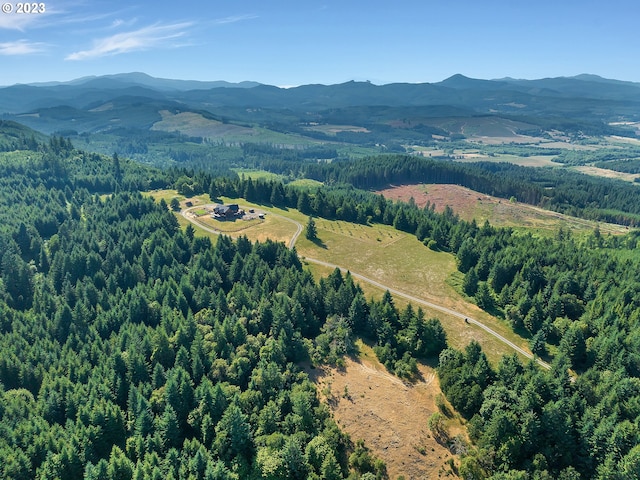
<point>311,232</point>
<point>304,203</point>
<point>470,282</point>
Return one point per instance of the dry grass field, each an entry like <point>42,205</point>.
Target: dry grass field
<point>389,415</point>
<point>334,129</point>
<point>475,155</point>
<point>401,262</point>
<point>530,161</point>
<point>604,172</point>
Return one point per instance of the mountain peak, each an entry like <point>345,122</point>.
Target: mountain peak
<point>460,81</point>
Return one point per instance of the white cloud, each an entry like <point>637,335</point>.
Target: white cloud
<point>234,19</point>
<point>13,21</point>
<point>142,39</point>
<point>123,23</point>
<point>21,47</point>
<point>52,16</point>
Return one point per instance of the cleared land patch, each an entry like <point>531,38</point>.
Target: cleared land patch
<point>389,415</point>
<point>469,204</point>
<point>530,161</point>
<point>264,175</point>
<point>333,130</point>
<point>486,128</point>
<point>403,263</point>
<point>257,174</point>
<point>255,228</point>
<point>605,172</point>
<point>476,155</point>
<point>196,125</point>
<point>271,227</point>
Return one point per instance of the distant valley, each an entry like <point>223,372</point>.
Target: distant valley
<point>210,124</point>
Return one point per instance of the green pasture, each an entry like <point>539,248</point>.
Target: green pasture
<point>257,174</point>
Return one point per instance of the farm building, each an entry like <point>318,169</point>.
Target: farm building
<point>227,211</point>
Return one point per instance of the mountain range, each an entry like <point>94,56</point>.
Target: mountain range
<point>92,104</point>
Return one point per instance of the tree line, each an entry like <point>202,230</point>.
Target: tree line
<point>555,189</point>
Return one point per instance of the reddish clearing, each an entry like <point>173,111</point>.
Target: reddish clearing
<point>462,200</point>
<point>469,204</point>
<point>390,416</point>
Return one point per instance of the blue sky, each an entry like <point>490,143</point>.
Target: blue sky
<point>285,42</point>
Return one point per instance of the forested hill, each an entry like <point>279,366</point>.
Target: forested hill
<point>590,96</point>
<point>54,161</point>
<point>130,348</point>
<point>576,299</point>
<point>133,349</point>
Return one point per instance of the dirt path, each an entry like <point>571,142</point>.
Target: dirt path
<point>298,225</point>
<point>435,306</point>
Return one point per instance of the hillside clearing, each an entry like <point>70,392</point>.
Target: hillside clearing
<point>389,415</point>
<point>196,125</point>
<point>605,172</point>
<point>469,204</point>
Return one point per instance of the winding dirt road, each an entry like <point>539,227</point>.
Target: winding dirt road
<point>375,283</point>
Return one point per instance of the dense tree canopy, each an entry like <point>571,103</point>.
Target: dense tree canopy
<point>130,348</point>
<point>134,349</point>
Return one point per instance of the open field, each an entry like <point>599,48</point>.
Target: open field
<point>391,416</point>
<point>264,175</point>
<point>485,128</point>
<point>271,227</point>
<point>195,124</point>
<point>469,204</point>
<point>530,161</point>
<point>257,174</point>
<point>502,138</point>
<point>401,262</point>
<point>474,155</point>
<point>229,227</point>
<point>306,183</point>
<point>334,129</point>
<point>626,140</point>
<point>605,172</point>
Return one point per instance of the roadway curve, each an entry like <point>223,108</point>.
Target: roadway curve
<point>375,283</point>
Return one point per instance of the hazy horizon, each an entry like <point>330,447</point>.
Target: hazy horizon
<point>51,82</point>
<point>287,43</point>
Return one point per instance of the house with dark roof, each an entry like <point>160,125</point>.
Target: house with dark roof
<point>227,211</point>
